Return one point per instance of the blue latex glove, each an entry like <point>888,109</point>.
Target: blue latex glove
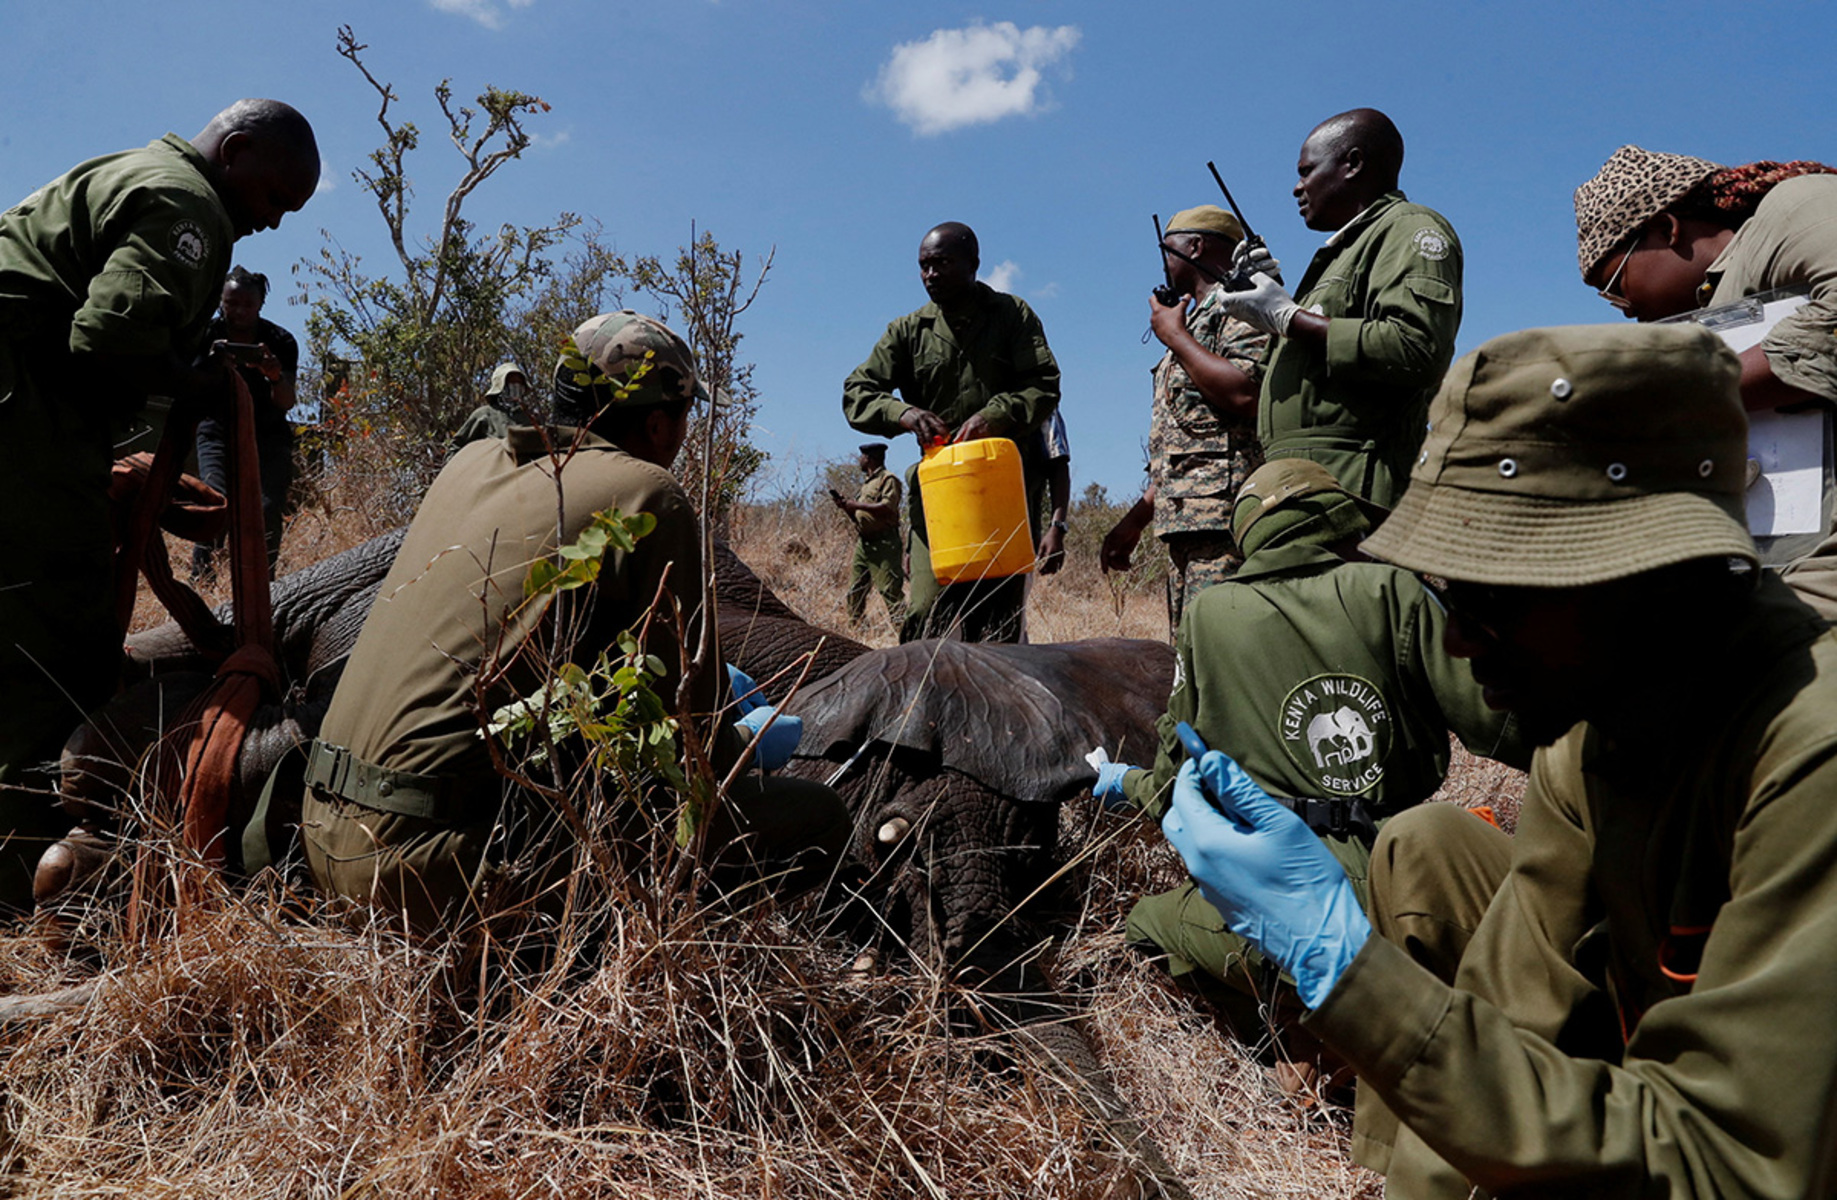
<point>780,741</point>
<point>1109,785</point>
<point>1267,873</point>
<point>747,696</point>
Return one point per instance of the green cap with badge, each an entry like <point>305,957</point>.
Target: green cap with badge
<point>625,358</point>
<point>1287,499</point>
<point>1576,455</point>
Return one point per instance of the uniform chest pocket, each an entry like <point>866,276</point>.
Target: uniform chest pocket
<point>1330,297</point>
<point>1193,415</point>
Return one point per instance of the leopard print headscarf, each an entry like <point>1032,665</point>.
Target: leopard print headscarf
<point>1630,189</point>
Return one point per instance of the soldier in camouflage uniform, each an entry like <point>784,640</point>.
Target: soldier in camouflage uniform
<point>1202,442</point>
<point>875,512</point>
<point>109,275</point>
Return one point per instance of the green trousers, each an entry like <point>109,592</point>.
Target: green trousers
<point>1434,870</point>
<point>877,563</point>
<point>445,875</point>
<point>1203,954</point>
<point>60,646</point>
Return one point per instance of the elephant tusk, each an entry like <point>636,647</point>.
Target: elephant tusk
<point>894,831</point>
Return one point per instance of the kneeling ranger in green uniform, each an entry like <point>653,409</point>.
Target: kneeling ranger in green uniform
<point>404,808</point>
<point>1327,680</point>
<point>1645,1007</point>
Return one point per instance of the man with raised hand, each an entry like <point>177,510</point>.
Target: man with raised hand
<point>109,275</point>
<point>1363,342</point>
<point>973,363</point>
<point>1644,1007</point>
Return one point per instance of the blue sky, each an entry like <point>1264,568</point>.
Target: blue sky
<point>1054,129</point>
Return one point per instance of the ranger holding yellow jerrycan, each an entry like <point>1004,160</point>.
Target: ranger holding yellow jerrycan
<point>972,369</point>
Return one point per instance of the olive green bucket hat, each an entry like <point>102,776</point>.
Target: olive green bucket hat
<point>1577,455</point>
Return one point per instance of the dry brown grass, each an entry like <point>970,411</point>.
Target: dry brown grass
<point>272,1046</point>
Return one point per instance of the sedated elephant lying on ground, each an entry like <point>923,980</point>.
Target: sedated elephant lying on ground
<point>953,756</point>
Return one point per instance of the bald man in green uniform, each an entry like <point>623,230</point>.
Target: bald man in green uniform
<point>1361,345</point>
<point>1644,1009</point>
<point>108,276</point>
<point>1326,679</point>
<point>405,810</point>
<point>973,363</point>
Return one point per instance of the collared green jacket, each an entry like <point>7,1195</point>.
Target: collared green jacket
<point>1389,284</point>
<point>124,254</point>
<point>1323,678</point>
<point>1646,1008</point>
<point>879,488</point>
<point>991,358</point>
<point>1790,241</point>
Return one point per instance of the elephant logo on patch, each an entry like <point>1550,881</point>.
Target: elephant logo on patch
<point>1337,731</point>
<point>1347,737</point>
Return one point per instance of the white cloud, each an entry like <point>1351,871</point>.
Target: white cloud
<point>549,141</point>
<point>485,12</point>
<point>1047,292</point>
<point>327,182</point>
<point>968,76</point>
<point>1002,275</point>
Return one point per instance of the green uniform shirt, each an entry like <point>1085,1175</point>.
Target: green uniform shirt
<point>1700,840</point>
<point>405,701</point>
<point>485,421</point>
<point>1198,457</point>
<point>1790,241</point>
<point>991,358</point>
<point>124,254</point>
<point>881,487</point>
<point>1389,284</point>
<point>1323,678</point>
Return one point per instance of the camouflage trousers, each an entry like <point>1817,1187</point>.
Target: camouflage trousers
<point>1199,560</point>
<point>877,564</point>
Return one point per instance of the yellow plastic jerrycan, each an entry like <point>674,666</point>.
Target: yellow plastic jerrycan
<point>976,510</point>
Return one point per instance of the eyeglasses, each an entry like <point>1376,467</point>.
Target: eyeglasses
<point>1609,291</point>
<point>1486,608</point>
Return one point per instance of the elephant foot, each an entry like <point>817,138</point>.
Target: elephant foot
<point>64,879</point>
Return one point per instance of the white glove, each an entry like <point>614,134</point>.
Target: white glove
<point>1248,259</point>
<point>1266,306</point>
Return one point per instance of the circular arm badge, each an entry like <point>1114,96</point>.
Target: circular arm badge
<point>1337,730</point>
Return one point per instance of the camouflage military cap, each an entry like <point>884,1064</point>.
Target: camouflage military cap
<point>1282,481</point>
<point>1206,218</point>
<point>1577,455</point>
<point>625,358</point>
<point>1631,188</point>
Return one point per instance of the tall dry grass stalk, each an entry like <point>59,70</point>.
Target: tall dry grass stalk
<point>273,1044</point>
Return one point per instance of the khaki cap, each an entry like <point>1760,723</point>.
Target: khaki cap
<point>1282,480</point>
<point>1577,455</point>
<point>1631,188</point>
<point>626,358</point>
<point>1206,218</point>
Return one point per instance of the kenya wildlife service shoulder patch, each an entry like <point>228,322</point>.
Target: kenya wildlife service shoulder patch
<point>1432,244</point>
<point>189,243</point>
<point>1337,729</point>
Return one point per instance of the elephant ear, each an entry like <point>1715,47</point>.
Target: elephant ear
<point>1018,718</point>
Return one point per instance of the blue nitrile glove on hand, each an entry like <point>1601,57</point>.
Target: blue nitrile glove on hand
<point>1109,786</point>
<point>1267,874</point>
<point>747,695</point>
<point>1266,306</point>
<point>780,741</point>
